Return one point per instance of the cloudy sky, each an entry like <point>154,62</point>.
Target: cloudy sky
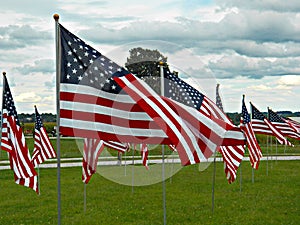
<point>248,47</point>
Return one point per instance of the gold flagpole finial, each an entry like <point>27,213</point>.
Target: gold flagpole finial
<point>56,17</point>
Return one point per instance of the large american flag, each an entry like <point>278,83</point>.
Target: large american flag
<point>13,141</point>
<point>93,105</point>
<point>282,125</point>
<point>43,148</point>
<point>262,125</point>
<point>254,149</point>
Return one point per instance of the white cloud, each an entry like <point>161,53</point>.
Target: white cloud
<point>30,97</point>
<point>289,80</point>
<point>261,5</point>
<point>254,44</point>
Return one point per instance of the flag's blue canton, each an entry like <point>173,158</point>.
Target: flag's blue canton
<point>83,65</point>
<point>256,114</point>
<point>38,120</point>
<point>273,117</point>
<point>8,102</point>
<point>245,114</point>
<point>180,91</point>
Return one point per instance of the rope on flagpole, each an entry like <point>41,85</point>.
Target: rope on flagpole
<point>58,71</point>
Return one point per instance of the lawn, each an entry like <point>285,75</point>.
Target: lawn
<point>273,198</point>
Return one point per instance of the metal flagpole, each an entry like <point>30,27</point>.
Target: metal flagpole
<point>172,167</point>
<point>276,150</point>
<point>268,147</point>
<point>125,157</point>
<point>219,104</point>
<point>241,177</point>
<point>58,71</point>
<point>267,155</point>
<point>3,85</point>
<point>162,91</point>
<point>84,198</point>
<point>38,179</point>
<point>252,175</point>
<point>132,178</point>
<point>271,149</point>
<point>213,186</point>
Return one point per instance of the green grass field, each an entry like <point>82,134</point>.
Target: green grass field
<point>271,199</point>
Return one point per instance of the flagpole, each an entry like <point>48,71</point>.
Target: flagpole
<point>268,147</point>
<point>84,198</point>
<point>241,179</point>
<point>162,92</point>
<point>58,71</point>
<point>218,102</point>
<point>38,178</point>
<point>132,177</point>
<point>4,74</point>
<point>276,150</point>
<point>213,185</point>
<point>125,157</point>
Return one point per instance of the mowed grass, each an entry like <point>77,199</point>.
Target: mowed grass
<point>273,198</point>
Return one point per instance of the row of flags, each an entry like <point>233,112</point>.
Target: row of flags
<point>274,125</point>
<point>13,142</point>
<point>101,100</point>
<point>110,107</point>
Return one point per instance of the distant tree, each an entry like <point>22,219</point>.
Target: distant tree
<point>144,64</point>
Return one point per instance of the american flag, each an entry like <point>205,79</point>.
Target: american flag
<point>188,129</point>
<point>232,155</point>
<point>293,124</point>
<point>13,141</point>
<point>282,126</point>
<point>92,149</point>
<point>144,153</point>
<point>254,149</point>
<point>262,125</point>
<point>93,105</point>
<point>180,91</point>
<point>43,148</point>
